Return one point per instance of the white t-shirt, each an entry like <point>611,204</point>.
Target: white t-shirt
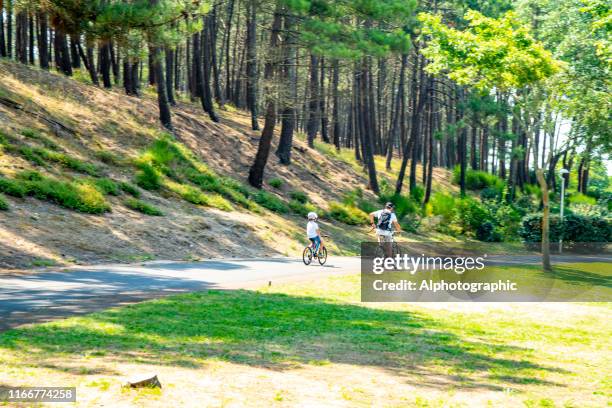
<point>379,231</point>
<point>311,229</point>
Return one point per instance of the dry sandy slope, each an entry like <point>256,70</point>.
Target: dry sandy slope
<point>92,120</point>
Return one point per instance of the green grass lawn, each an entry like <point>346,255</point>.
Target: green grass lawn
<point>315,343</point>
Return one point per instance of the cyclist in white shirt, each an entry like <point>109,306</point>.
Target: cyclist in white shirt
<point>313,232</point>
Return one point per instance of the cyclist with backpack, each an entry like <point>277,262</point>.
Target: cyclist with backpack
<point>386,222</point>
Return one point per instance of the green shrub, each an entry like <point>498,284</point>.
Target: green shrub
<point>12,187</point>
<point>301,208</point>
<point>490,194</point>
<point>487,232</point>
<point>270,201</point>
<point>477,180</point>
<point>347,214</point>
<point>579,198</point>
<point>299,196</point>
<point>143,207</point>
<point>533,190</point>
<point>147,177</point>
<point>355,198</point>
<point>575,229</point>
<point>31,133</point>
<point>417,193</point>
<point>29,175</point>
<point>442,204</point>
<point>129,188</point>
<point>469,215</point>
<point>192,195</point>
<point>107,186</point>
<point>4,141</point>
<point>34,134</point>
<point>108,157</point>
<point>39,156</point>
<point>404,205</point>
<point>77,196</point>
<point>31,155</point>
<point>3,204</point>
<point>275,182</point>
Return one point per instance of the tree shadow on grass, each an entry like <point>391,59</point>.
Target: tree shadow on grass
<point>279,332</point>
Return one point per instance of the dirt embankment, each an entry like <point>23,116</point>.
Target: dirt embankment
<point>87,123</point>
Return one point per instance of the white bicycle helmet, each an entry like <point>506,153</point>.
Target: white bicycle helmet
<point>312,215</point>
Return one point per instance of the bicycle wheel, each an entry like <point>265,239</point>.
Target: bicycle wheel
<point>307,256</point>
<point>322,255</point>
<point>379,252</point>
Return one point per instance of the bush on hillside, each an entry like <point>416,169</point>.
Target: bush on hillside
<point>442,204</point>
<point>270,201</point>
<point>299,196</point>
<point>355,198</point>
<point>143,207</point>
<point>130,189</point>
<point>275,182</point>
<point>469,214</point>
<point>347,214</point>
<point>107,186</point>
<point>3,204</point>
<point>147,177</point>
<point>301,208</point>
<point>477,180</point>
<point>79,196</point>
<point>12,187</point>
<point>417,193</point>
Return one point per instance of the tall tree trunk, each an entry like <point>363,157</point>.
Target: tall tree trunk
<point>62,53</point>
<point>336,102</point>
<point>2,37</point>
<point>114,60</point>
<point>93,72</point>
<point>21,37</point>
<point>207,97</point>
<point>322,102</point>
<point>104,56</point>
<point>212,44</point>
<point>228,32</point>
<point>75,58</point>
<point>313,106</point>
<point>368,141</point>
<point>283,152</point>
<point>162,99</point>
<point>31,38</point>
<point>170,75</point>
<point>256,172</point>
<point>43,49</point>
<point>251,64</point>
<point>9,29</point>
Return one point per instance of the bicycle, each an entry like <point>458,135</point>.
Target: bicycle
<point>321,255</point>
<point>380,250</point>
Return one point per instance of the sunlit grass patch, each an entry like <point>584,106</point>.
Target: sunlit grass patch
<point>79,196</point>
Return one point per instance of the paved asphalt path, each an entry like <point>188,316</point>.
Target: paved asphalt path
<point>42,296</point>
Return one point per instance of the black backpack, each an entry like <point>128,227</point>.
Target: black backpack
<point>384,221</point>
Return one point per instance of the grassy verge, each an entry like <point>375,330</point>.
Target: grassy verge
<point>315,344</point>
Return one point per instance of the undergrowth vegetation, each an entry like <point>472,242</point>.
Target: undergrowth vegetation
<point>143,207</point>
<point>76,195</point>
<point>3,204</point>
